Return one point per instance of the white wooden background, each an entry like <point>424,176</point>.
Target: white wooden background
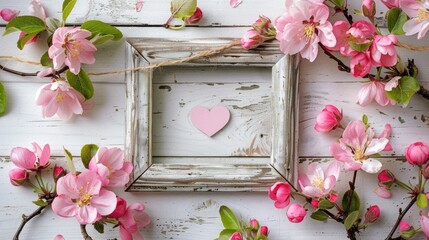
<point>188,215</point>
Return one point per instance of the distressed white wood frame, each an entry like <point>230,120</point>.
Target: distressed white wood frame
<point>193,176</point>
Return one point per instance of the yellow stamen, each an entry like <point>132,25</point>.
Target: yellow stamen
<point>60,97</point>
<point>318,182</point>
<point>85,199</point>
<point>422,15</point>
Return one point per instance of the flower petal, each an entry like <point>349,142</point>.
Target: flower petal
<point>105,202</point>
<point>64,206</point>
<point>371,165</point>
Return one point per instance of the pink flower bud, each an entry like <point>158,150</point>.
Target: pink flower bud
<point>18,176</point>
<point>280,193</point>
<point>315,203</point>
<point>236,236</point>
<point>251,39</point>
<point>386,177</point>
<point>120,210</point>
<point>425,172</point>
<point>383,192</point>
<point>264,230</point>
<point>59,237</point>
<point>32,40</point>
<point>368,8</point>
<point>404,226</point>
<point>254,224</point>
<point>58,172</point>
<point>372,214</point>
<point>296,213</point>
<point>333,197</point>
<point>391,3</point>
<point>198,14</point>
<point>8,14</point>
<point>417,153</point>
<point>329,119</point>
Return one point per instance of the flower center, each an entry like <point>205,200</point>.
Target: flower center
<point>72,47</point>
<point>318,182</point>
<point>359,155</point>
<point>309,30</point>
<point>85,199</point>
<point>422,14</point>
<point>60,97</point>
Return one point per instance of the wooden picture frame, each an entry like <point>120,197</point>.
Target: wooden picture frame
<point>223,174</point>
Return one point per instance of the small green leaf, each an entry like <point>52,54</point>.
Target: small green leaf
<point>24,39</point>
<point>422,201</point>
<point>27,24</point>
<point>69,160</point>
<point>408,234</point>
<point>100,28</point>
<point>325,204</point>
<point>100,39</point>
<point>52,24</point>
<point>360,47</point>
<point>3,99</point>
<point>319,215</point>
<point>99,227</point>
<point>45,60</point>
<point>229,220</point>
<point>403,93</point>
<point>351,219</point>
<point>87,152</point>
<point>183,8</point>
<point>39,202</point>
<point>226,234</point>
<point>365,119</point>
<point>262,237</point>
<point>338,3</point>
<point>68,6</point>
<point>396,19</point>
<point>81,83</point>
<point>354,204</point>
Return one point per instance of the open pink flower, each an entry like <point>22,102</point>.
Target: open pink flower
<point>374,90</point>
<point>356,147</point>
<point>70,47</point>
<point>315,183</point>
<point>8,14</point>
<point>296,213</point>
<point>59,98</point>
<point>360,64</point>
<point>424,223</point>
<point>110,165</point>
<point>280,193</point>
<point>383,51</point>
<point>82,197</point>
<point>130,219</point>
<point>329,119</point>
<point>391,3</point>
<point>31,160</point>
<point>36,9</point>
<point>302,27</point>
<point>419,17</point>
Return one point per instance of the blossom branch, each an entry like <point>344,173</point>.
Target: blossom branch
<point>352,189</point>
<point>85,235</point>
<point>26,219</point>
<point>400,217</point>
<point>23,74</point>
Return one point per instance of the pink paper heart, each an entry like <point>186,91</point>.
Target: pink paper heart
<point>210,121</point>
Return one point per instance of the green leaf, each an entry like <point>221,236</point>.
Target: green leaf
<point>45,60</point>
<point>360,47</point>
<point>262,237</point>
<point>319,215</point>
<point>100,39</point>
<point>24,39</point>
<point>81,83</point>
<point>403,93</point>
<point>408,234</point>
<point>422,201</point>
<point>183,8</point>
<point>27,24</point>
<point>226,234</point>
<point>69,160</point>
<point>351,219</point>
<point>39,202</point>
<point>100,28</point>
<point>87,152</point>
<point>99,227</point>
<point>3,99</point>
<point>338,3</point>
<point>68,6</point>
<point>229,220</point>
<point>325,204</point>
<point>395,21</point>
<point>52,24</point>
<point>365,119</point>
<point>354,204</point>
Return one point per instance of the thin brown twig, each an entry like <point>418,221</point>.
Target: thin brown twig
<point>26,219</point>
<point>85,234</point>
<point>400,217</point>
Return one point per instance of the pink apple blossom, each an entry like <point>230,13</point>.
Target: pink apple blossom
<point>417,153</point>
<point>302,27</point>
<point>386,177</point>
<point>264,230</point>
<point>368,8</point>
<point>18,176</point>
<point>360,64</point>
<point>424,223</point>
<point>59,98</point>
<point>236,236</point>
<point>280,192</point>
<point>130,219</point>
<point>31,160</point>
<point>58,172</point>
<point>235,3</point>
<point>404,226</point>
<point>418,11</point>
<point>251,39</point>
<point>329,119</point>
<point>296,213</point>
<point>36,9</point>
<point>70,47</point>
<point>356,147</point>
<point>372,214</point>
<point>110,165</point>
<point>383,192</point>
<point>373,90</point>
<point>8,14</point>
<point>391,3</point>
<point>315,183</point>
<point>83,198</point>
<point>383,51</point>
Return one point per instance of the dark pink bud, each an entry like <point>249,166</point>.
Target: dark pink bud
<point>315,203</point>
<point>372,214</point>
<point>198,14</point>
<point>386,177</point>
<point>254,224</point>
<point>58,172</point>
<point>8,14</point>
<point>404,226</point>
<point>120,210</point>
<point>236,236</point>
<point>264,230</point>
<point>333,197</point>
<point>417,153</point>
<point>18,176</point>
<point>329,119</point>
<point>296,213</point>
